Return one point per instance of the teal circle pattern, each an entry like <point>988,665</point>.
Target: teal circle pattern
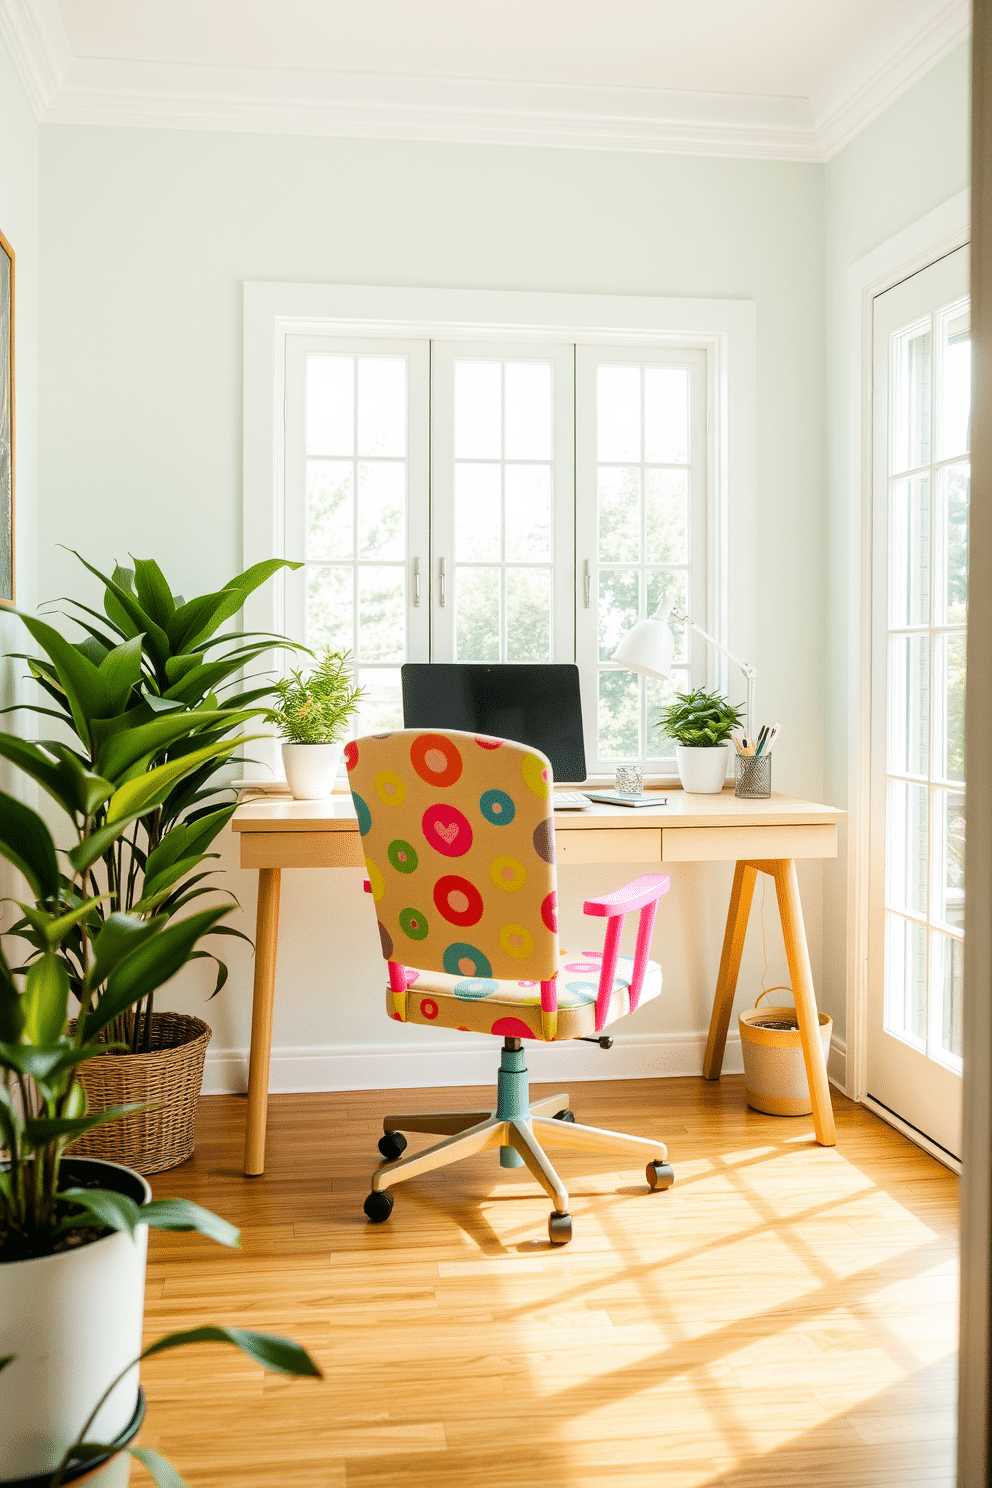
<point>414,924</point>
<point>497,807</point>
<point>582,991</point>
<point>474,988</point>
<point>460,950</point>
<point>402,856</point>
<point>363,813</point>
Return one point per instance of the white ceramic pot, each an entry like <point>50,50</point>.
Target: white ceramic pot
<point>702,771</point>
<point>72,1322</point>
<point>311,768</point>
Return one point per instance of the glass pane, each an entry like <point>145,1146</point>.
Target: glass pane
<point>951,558</point>
<point>948,981</point>
<point>657,695</point>
<point>667,516</point>
<point>906,979</point>
<point>954,381</point>
<point>528,512</point>
<point>619,607</point>
<point>330,405</point>
<point>330,509</point>
<point>528,614</point>
<point>381,503</point>
<point>948,690</point>
<point>666,415</point>
<point>909,395</point>
<point>381,405</point>
<point>330,609</point>
<point>909,551</point>
<point>675,585</point>
<point>477,627</point>
<point>948,858</point>
<point>908,704</point>
<point>478,411</point>
<point>619,716</point>
<point>381,628</point>
<point>381,707</point>
<point>528,410</point>
<point>477,508</point>
<point>619,515</point>
<point>906,847</point>
<point>618,413</point>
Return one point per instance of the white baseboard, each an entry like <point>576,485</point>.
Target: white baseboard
<point>416,1065</point>
<point>837,1064</point>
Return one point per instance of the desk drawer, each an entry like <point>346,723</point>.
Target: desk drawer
<point>631,845</point>
<point>728,844</point>
<point>301,850</point>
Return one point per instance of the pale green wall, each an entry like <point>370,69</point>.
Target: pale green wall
<point>147,237</point>
<point>910,160</point>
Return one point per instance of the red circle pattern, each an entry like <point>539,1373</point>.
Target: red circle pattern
<point>452,888</point>
<point>422,752</point>
<point>549,911</point>
<point>447,830</point>
<point>351,754</point>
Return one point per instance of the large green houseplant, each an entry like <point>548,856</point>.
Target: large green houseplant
<point>73,1231</point>
<point>151,699</point>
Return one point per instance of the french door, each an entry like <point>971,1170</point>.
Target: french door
<point>921,413</point>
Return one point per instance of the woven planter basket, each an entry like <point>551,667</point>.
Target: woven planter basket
<point>166,1080</point>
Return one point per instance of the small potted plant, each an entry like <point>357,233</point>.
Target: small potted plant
<point>312,714</point>
<point>701,724</point>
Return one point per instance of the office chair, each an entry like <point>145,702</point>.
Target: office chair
<point>459,843</point>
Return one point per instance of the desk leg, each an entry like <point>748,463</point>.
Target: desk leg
<point>741,895</point>
<point>794,933</point>
<point>266,942</point>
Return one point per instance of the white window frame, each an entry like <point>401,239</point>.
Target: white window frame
<point>724,329</point>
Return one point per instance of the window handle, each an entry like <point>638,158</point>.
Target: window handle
<point>440,575</point>
<point>416,583</point>
<point>586,583</point>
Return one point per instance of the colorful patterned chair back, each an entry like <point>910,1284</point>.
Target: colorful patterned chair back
<point>458,836</point>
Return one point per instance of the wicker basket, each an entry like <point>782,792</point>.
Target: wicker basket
<point>166,1081</point>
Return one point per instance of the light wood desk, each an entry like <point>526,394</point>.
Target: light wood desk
<point>765,836</point>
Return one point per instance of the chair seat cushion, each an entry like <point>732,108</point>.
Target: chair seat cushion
<point>513,1009</point>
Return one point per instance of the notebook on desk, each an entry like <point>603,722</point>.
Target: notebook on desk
<point>617,798</point>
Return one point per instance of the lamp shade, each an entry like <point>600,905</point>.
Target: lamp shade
<point>649,646</point>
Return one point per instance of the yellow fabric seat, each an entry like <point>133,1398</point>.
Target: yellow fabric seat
<point>513,1009</point>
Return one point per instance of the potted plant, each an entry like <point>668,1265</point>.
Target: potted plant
<point>152,693</point>
<point>701,724</point>
<point>312,714</point>
<point>73,1231</point>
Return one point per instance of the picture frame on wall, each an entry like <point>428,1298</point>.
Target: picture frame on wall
<point>6,422</point>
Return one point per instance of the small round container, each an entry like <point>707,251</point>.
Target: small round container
<point>774,1071</point>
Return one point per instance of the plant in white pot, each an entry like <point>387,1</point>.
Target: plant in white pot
<point>701,724</point>
<point>73,1231</point>
<point>312,714</point>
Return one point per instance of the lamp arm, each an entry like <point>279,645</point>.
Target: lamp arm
<point>749,672</point>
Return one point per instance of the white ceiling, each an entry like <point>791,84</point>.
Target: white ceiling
<point>773,79</point>
<point>785,48</point>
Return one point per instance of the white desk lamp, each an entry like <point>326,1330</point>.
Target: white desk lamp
<point>649,648</point>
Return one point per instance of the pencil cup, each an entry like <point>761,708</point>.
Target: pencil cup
<point>752,775</point>
<point>630,780</point>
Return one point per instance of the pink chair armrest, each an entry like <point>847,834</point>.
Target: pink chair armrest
<point>647,889</point>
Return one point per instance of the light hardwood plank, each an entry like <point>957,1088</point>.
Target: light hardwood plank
<point>786,1312</point>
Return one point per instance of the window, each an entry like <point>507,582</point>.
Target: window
<point>467,488</point>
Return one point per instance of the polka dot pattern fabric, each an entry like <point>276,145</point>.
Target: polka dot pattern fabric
<point>480,1004</point>
<point>458,837</point>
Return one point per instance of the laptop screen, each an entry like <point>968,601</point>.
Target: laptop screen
<point>534,704</point>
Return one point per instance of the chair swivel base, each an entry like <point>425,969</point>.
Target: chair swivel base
<point>517,1128</point>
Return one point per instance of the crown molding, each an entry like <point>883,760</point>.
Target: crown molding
<point>910,41</point>
<point>65,89</point>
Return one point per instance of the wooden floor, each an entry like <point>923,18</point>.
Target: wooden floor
<point>785,1314</point>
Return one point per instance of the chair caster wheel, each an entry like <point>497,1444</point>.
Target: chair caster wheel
<point>565,1116</point>
<point>659,1175</point>
<point>392,1145</point>
<point>378,1206</point>
<point>559,1228</point>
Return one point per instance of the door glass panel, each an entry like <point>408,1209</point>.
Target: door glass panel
<point>381,707</point>
<point>478,410</point>
<point>619,607</point>
<point>911,399</point>
<point>948,877</point>
<point>909,704</point>
<point>477,512</point>
<point>330,405</point>
<point>528,410</point>
<point>953,486</point>
<point>477,617</point>
<point>906,979</point>
<point>382,406</point>
<point>667,516</point>
<point>619,715</point>
<point>528,614</point>
<point>618,414</point>
<point>949,666</point>
<point>909,552</point>
<point>330,608</point>
<point>528,513</point>
<point>906,847</point>
<point>666,415</point>
<point>381,608</point>
<point>948,981</point>
<point>954,382</point>
<point>381,509</point>
<point>330,508</point>
<point>619,514</point>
